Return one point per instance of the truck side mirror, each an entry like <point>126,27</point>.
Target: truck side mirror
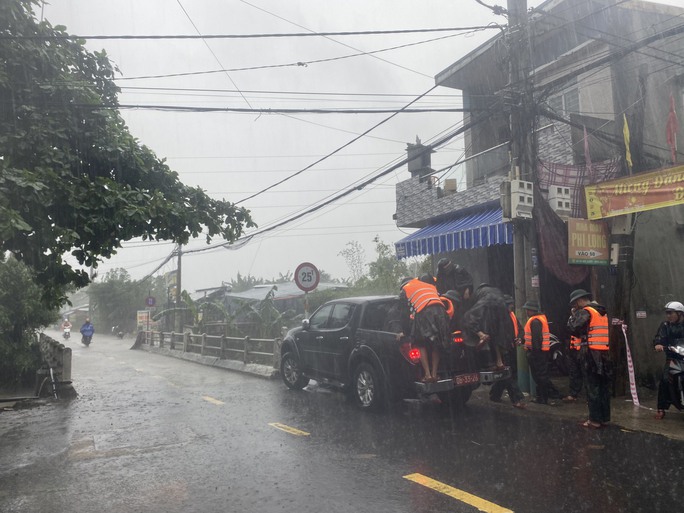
<point>305,324</point>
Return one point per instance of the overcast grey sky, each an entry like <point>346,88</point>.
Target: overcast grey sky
<point>234,155</point>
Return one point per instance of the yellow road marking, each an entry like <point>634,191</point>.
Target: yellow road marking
<point>288,429</point>
<point>212,400</point>
<point>472,500</point>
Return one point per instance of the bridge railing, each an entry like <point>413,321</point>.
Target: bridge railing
<point>244,349</point>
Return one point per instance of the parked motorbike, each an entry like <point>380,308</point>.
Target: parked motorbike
<point>676,372</point>
<point>66,333</point>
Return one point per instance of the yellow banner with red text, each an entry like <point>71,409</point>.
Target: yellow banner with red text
<point>636,193</point>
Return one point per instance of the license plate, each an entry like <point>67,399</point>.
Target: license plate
<point>466,379</point>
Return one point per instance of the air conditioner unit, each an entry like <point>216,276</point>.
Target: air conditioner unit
<point>522,199</point>
<point>560,200</point>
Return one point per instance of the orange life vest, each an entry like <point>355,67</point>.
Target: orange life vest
<point>575,342</point>
<point>597,335</point>
<point>514,320</point>
<point>420,295</point>
<point>449,305</point>
<point>546,334</point>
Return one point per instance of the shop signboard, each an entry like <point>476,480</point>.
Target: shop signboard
<point>636,193</point>
<point>588,242</point>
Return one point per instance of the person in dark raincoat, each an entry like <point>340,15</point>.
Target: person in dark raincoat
<point>670,333</point>
<point>446,275</point>
<point>510,358</point>
<point>589,322</point>
<point>487,323</point>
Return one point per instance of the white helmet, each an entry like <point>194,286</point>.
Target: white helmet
<point>675,305</point>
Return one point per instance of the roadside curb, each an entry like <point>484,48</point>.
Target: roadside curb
<point>262,371</point>
<point>625,415</point>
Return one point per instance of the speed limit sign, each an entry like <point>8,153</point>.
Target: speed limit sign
<point>307,277</point>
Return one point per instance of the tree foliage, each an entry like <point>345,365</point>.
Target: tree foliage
<point>384,273</point>
<point>116,299</point>
<point>353,255</point>
<point>72,177</point>
<point>21,313</point>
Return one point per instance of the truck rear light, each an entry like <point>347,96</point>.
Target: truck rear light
<point>457,337</point>
<point>412,354</point>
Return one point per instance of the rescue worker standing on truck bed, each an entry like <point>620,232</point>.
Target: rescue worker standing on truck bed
<point>425,319</point>
<point>537,345</point>
<point>589,322</point>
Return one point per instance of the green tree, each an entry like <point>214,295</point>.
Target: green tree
<point>72,177</point>
<point>354,255</point>
<point>116,299</point>
<point>266,317</point>
<point>384,273</point>
<point>242,283</point>
<point>21,313</point>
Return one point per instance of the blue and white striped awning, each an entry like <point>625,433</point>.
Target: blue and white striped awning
<point>478,230</point>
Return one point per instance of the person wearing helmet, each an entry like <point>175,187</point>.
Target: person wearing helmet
<point>670,333</point>
<point>589,323</point>
<point>66,324</point>
<point>445,276</point>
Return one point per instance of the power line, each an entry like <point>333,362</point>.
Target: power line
<point>271,110</point>
<point>306,93</point>
<point>340,148</point>
<point>286,65</point>
<point>212,52</point>
<point>246,36</point>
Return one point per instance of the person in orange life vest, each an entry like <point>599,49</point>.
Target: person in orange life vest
<point>510,358</point>
<point>537,345</point>
<point>589,323</point>
<point>574,370</point>
<point>425,319</point>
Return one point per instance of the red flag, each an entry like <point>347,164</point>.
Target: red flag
<point>672,129</point>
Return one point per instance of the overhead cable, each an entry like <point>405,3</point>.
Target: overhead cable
<point>246,36</point>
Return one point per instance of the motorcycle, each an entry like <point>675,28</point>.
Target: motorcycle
<point>66,333</point>
<point>85,340</point>
<point>675,370</point>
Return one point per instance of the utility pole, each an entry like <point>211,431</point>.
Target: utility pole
<point>520,100</point>
<point>519,97</point>
<point>178,315</point>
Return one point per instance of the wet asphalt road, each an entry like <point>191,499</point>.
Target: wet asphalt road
<point>156,434</point>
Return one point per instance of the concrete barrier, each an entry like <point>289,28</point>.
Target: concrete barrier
<point>260,357</point>
<point>56,357</point>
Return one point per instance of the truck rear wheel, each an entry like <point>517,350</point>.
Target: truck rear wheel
<point>367,387</point>
<point>290,372</point>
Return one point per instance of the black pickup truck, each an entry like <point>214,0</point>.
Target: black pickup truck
<point>351,344</point>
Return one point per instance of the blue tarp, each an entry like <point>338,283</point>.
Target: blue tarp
<point>478,230</point>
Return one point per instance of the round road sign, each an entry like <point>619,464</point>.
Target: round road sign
<point>307,277</point>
